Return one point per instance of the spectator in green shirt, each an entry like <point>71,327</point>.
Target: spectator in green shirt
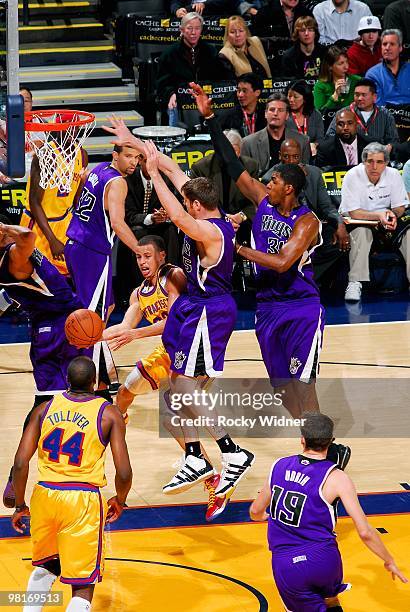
<point>335,87</point>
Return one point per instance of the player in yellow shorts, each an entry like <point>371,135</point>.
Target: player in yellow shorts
<point>48,212</point>
<point>162,284</point>
<point>68,513</point>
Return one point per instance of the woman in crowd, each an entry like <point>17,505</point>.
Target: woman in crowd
<point>303,116</point>
<point>335,87</point>
<point>303,59</point>
<point>242,52</point>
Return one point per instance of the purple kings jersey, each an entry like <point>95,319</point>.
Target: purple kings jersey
<point>45,294</point>
<point>215,280</point>
<point>270,231</point>
<point>90,224</point>
<point>299,515</point>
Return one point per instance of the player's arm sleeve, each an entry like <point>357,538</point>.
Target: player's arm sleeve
<point>250,188</point>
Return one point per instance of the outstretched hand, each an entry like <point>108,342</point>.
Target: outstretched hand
<point>152,156</point>
<point>124,138</point>
<point>203,102</point>
<point>394,570</point>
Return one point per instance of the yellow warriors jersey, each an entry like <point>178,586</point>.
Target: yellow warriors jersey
<point>57,208</point>
<point>71,447</point>
<point>153,299</point>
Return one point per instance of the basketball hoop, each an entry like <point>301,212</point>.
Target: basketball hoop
<point>56,136</point>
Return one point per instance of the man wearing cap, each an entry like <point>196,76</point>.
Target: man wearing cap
<point>366,52</point>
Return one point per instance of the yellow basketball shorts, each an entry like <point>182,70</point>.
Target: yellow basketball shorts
<point>67,523</point>
<point>149,372</point>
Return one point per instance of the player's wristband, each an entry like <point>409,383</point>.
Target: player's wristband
<point>21,507</point>
<point>242,215</point>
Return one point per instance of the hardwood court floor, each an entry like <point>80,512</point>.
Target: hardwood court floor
<point>155,568</point>
<point>219,568</point>
<point>370,351</point>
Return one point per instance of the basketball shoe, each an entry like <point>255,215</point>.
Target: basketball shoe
<point>193,470</point>
<point>234,467</point>
<point>216,505</point>
<point>339,454</point>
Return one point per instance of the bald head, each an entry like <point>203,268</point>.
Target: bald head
<point>290,152</point>
<point>346,125</point>
<point>81,374</point>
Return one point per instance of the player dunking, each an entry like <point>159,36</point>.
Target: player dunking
<point>301,492</point>
<point>97,218</point>
<point>47,298</point>
<point>200,323</point>
<point>68,513</point>
<point>289,316</point>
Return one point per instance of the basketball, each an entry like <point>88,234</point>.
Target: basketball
<point>83,328</point>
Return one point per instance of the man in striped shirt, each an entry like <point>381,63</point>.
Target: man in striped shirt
<point>374,123</point>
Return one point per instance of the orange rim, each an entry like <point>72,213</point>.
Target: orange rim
<point>69,118</point>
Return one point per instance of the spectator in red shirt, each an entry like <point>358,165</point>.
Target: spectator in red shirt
<point>366,52</point>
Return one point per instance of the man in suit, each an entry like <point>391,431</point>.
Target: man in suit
<point>264,146</point>
<point>145,215</point>
<point>231,199</point>
<point>345,147</point>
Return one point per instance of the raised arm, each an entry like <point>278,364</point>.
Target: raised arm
<point>251,188</point>
<point>125,138</point>
<point>303,236</point>
<point>35,197</point>
<point>197,229</point>
<point>20,265</point>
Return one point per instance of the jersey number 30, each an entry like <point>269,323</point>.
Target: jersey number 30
<point>73,447</point>
<point>293,503</point>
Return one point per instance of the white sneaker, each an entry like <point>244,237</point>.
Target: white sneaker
<point>234,467</point>
<point>353,291</point>
<point>193,470</point>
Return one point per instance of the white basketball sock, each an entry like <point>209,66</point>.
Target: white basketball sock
<point>78,604</point>
<point>41,580</point>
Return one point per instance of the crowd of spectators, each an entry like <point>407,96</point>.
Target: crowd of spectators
<point>339,82</point>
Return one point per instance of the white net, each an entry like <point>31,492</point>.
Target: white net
<point>56,150</point>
